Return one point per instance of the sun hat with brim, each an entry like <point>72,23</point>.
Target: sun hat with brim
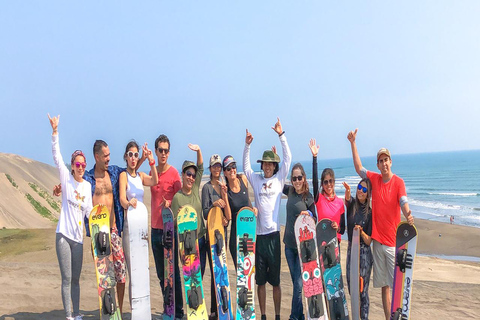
<point>383,151</point>
<point>187,164</point>
<point>269,156</point>
<point>228,160</point>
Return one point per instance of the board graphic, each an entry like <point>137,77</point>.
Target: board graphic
<point>169,270</point>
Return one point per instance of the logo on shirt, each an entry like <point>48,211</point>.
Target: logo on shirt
<point>267,186</point>
<point>78,197</point>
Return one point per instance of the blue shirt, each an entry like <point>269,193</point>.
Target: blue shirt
<point>114,172</point>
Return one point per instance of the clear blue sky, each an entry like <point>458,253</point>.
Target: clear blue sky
<point>405,73</point>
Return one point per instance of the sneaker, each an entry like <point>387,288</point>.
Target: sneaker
<point>79,317</point>
<point>70,318</point>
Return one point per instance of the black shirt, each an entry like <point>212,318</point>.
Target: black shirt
<point>354,218</point>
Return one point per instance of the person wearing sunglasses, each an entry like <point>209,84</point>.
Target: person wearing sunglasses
<point>162,194</point>
<point>359,216</point>
<point>267,189</point>
<point>189,194</point>
<point>131,191</point>
<point>327,203</point>
<point>237,191</point>
<point>300,201</point>
<point>389,198</point>
<point>214,194</point>
<point>76,205</point>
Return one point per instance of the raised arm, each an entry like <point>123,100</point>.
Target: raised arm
<point>149,180</point>
<point>196,148</point>
<point>352,135</point>
<point>314,149</point>
<point>287,155</point>
<point>247,167</point>
<point>57,156</point>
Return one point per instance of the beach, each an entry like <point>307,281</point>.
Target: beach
<point>30,280</point>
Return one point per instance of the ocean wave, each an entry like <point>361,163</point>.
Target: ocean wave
<point>456,194</point>
<point>436,205</point>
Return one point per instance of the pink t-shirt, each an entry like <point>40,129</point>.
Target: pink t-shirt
<point>168,184</point>
<point>386,207</point>
<point>330,209</point>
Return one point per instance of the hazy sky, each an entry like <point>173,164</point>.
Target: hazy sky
<point>405,73</point>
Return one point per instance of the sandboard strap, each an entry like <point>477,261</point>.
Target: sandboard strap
<point>224,297</point>
<point>189,241</point>
<point>243,298</point>
<point>244,244</point>
<point>330,259</point>
<point>218,242</point>
<point>108,302</point>
<point>307,248</point>
<point>194,298</point>
<point>168,239</point>
<point>102,241</point>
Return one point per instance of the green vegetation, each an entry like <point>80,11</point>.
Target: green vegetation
<point>44,212</point>
<point>11,180</point>
<point>45,195</point>
<point>18,241</point>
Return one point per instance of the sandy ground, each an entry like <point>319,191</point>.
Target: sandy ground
<point>30,281</point>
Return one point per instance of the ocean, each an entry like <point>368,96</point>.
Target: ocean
<point>439,185</point>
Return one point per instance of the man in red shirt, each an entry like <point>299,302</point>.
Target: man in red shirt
<point>162,195</point>
<point>388,198</point>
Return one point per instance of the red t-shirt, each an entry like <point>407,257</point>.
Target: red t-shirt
<point>168,184</point>
<point>330,209</point>
<point>386,207</point>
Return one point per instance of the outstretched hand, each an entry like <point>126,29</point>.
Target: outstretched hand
<point>314,147</point>
<point>347,191</point>
<point>248,138</point>
<point>54,122</point>
<point>278,127</point>
<point>147,153</point>
<point>194,147</point>
<point>352,135</point>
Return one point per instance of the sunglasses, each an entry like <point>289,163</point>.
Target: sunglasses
<point>190,174</point>
<point>331,181</point>
<point>80,164</point>
<point>161,150</point>
<point>299,178</point>
<point>231,167</point>
<point>216,166</point>
<point>131,154</point>
<point>364,189</point>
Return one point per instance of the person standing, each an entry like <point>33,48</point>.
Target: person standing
<point>388,198</point>
<point>268,189</point>
<point>76,205</point>
<point>162,194</point>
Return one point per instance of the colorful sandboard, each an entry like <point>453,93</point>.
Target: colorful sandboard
<point>355,286</point>
<point>169,270</point>
<point>216,237</point>
<point>190,259</point>
<point>331,271</point>
<point>138,262</point>
<point>246,237</point>
<point>311,274</point>
<point>99,225</point>
<point>406,248</point>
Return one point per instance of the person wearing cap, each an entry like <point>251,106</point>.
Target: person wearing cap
<point>189,194</point>
<point>237,190</point>
<point>214,194</point>
<point>162,194</point>
<point>388,198</point>
<point>268,188</point>
<point>76,205</point>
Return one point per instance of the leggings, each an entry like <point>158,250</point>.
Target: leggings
<point>70,259</point>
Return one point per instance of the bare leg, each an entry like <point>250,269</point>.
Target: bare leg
<point>277,299</point>
<point>387,301</point>
<point>120,295</point>
<point>262,298</point>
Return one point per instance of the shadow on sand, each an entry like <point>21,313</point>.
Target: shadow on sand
<point>60,315</point>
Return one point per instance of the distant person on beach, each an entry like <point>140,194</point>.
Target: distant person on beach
<point>329,206</point>
<point>162,194</point>
<point>359,216</point>
<point>76,205</point>
<point>300,201</point>
<point>131,191</point>
<point>388,198</point>
<point>268,192</point>
<point>237,190</point>
<point>214,194</point>
<point>452,219</point>
<point>189,194</point>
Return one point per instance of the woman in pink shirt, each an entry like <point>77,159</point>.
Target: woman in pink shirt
<point>328,204</point>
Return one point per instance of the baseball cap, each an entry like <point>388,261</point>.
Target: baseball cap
<point>269,156</point>
<point>228,160</point>
<point>383,151</point>
<point>187,164</point>
<point>214,159</point>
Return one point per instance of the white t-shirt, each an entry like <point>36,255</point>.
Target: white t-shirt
<point>268,192</point>
<point>76,199</point>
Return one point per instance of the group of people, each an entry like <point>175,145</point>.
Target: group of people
<point>375,211</point>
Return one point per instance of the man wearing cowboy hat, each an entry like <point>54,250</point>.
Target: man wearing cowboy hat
<point>268,192</point>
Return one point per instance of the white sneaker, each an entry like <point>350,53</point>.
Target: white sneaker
<point>70,318</point>
<point>79,317</point>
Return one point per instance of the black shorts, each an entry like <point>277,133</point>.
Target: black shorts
<point>268,259</point>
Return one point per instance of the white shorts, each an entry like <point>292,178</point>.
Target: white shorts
<point>383,265</point>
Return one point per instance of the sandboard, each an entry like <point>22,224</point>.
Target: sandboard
<point>355,274</point>
<point>139,274</point>
<point>246,238</point>
<point>331,270</point>
<point>311,273</point>
<point>406,247</point>
<point>190,259</point>
<point>99,225</point>
<point>216,237</point>
<point>169,269</point>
